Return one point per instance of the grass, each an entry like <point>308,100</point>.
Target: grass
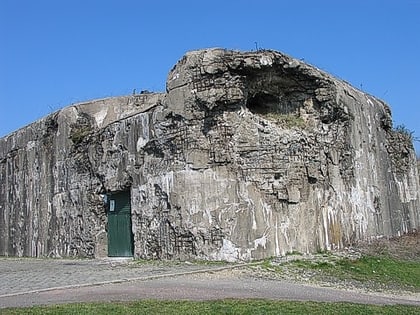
<point>377,269</point>
<point>384,270</point>
<point>231,306</point>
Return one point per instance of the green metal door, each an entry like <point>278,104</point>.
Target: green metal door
<point>120,237</point>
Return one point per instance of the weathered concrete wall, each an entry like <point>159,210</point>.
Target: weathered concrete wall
<point>247,155</point>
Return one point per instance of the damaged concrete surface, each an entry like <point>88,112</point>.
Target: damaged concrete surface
<point>246,156</point>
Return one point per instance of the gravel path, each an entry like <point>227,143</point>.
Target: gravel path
<point>27,282</point>
<point>33,275</point>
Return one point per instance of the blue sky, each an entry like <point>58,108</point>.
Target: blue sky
<point>55,53</point>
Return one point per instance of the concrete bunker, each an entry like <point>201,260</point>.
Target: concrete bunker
<point>246,156</point>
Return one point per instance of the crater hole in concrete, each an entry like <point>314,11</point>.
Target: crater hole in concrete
<point>264,103</point>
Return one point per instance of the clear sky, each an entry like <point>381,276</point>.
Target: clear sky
<point>55,53</point>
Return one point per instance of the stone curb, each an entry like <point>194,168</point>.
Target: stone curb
<point>143,278</point>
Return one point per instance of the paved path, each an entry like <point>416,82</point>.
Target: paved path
<point>27,275</point>
<point>26,282</point>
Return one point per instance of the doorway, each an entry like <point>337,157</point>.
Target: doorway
<point>120,235</point>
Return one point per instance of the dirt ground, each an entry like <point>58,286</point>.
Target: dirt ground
<point>404,247</point>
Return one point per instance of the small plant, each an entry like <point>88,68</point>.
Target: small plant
<point>79,134</point>
<point>402,129</point>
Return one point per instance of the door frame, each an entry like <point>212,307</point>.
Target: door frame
<point>119,216</point>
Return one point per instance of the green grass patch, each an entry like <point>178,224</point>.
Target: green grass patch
<point>382,269</point>
<point>379,269</point>
<point>231,306</point>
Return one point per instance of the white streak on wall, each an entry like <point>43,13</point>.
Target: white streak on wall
<point>277,237</point>
<point>325,223</point>
<point>228,252</point>
<point>262,241</point>
<point>100,117</point>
